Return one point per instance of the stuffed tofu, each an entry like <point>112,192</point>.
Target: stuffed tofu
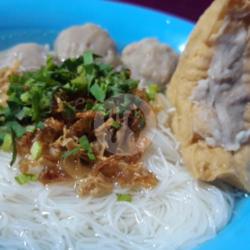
<point>211,92</point>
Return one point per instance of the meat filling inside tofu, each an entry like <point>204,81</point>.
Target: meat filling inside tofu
<point>224,96</point>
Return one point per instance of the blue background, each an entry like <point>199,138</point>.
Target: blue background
<point>40,20</point>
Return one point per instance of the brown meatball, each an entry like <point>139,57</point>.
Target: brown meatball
<point>150,61</point>
<point>74,41</point>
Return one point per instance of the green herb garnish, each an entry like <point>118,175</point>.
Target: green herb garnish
<point>84,142</point>
<point>100,107</point>
<point>124,197</point>
<point>30,128</point>
<point>40,125</point>
<point>25,178</point>
<point>17,128</point>
<point>71,152</point>
<point>32,96</point>
<point>152,90</point>
<point>85,145</point>
<point>7,143</point>
<point>116,124</point>
<point>36,150</point>
<point>88,58</point>
<point>98,92</point>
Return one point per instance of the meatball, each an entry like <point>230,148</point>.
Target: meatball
<point>31,56</point>
<point>150,62</point>
<point>74,41</point>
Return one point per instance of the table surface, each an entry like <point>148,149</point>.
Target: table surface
<point>188,9</point>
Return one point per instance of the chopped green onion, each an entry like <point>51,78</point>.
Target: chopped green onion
<point>25,97</point>
<point>7,143</point>
<point>50,63</point>
<point>71,152</point>
<point>30,128</point>
<point>99,107</point>
<point>80,82</point>
<point>91,156</point>
<point>40,125</point>
<point>36,107</point>
<point>84,142</point>
<point>88,58</point>
<point>85,145</point>
<point>152,90</point>
<point>98,92</point>
<point>18,129</point>
<point>89,105</point>
<point>80,69</point>
<point>25,112</point>
<point>36,150</point>
<point>116,124</point>
<point>31,96</point>
<point>25,178</point>
<point>124,197</point>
